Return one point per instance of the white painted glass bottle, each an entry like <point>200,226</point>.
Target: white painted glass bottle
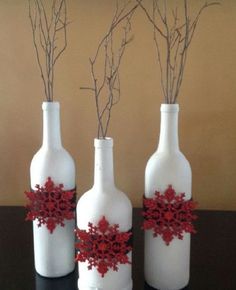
<point>53,253</point>
<point>104,199</point>
<point>167,266</point>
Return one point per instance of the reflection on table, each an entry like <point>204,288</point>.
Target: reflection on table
<point>68,282</point>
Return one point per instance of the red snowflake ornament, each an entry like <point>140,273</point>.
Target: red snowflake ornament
<point>103,246</point>
<point>50,205</point>
<point>169,215</point>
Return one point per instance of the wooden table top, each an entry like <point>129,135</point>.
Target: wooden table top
<point>213,254</point>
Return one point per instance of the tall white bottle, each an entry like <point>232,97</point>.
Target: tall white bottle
<point>104,200</point>
<point>167,266</point>
<point>53,252</point>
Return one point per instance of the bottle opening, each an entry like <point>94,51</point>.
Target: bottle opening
<point>48,106</point>
<point>169,108</point>
<point>103,143</point>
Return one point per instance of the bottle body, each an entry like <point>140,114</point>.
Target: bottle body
<point>53,252</point>
<point>167,266</point>
<point>104,200</point>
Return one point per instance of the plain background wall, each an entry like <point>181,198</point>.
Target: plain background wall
<point>207,124</point>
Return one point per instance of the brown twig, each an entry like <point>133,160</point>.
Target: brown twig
<point>47,30</point>
<point>106,85</point>
<point>177,35</point>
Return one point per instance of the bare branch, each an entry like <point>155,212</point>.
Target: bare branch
<point>45,29</point>
<point>150,19</point>
<point>176,34</point>
<point>115,22</point>
<point>106,86</point>
<point>158,53</point>
<point>87,88</point>
<point>195,22</point>
<point>64,24</point>
<point>33,21</point>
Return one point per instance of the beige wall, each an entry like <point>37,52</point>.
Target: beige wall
<point>207,99</point>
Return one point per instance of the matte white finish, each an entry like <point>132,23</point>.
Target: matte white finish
<point>53,253</point>
<point>104,199</point>
<point>167,267</point>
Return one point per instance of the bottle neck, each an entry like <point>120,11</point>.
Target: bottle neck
<point>169,140</point>
<point>51,125</point>
<point>103,165</point>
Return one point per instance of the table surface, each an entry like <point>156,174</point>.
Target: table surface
<point>213,254</point>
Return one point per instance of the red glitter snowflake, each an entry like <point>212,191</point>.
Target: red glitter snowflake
<point>103,246</point>
<point>169,215</point>
<point>50,205</point>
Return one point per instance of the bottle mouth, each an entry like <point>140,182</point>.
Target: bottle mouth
<point>103,143</point>
<point>49,106</point>
<point>169,108</point>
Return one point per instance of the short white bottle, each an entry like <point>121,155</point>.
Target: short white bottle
<point>53,252</point>
<point>167,266</point>
<point>104,199</point>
